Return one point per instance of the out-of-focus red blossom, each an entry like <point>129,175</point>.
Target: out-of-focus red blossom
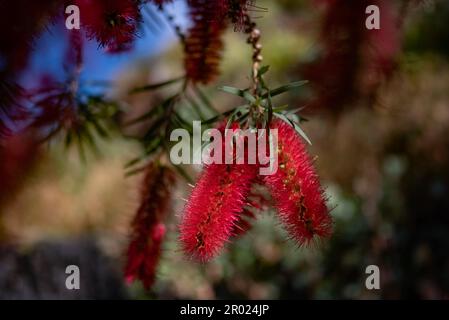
<point>382,48</point>
<point>217,206</point>
<point>236,10</point>
<point>355,60</point>
<point>296,190</point>
<point>112,23</point>
<point>203,43</point>
<point>17,156</point>
<point>21,23</point>
<point>147,228</point>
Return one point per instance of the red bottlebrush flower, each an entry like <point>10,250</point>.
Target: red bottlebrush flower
<point>236,10</point>
<point>355,60</point>
<point>217,205</point>
<point>296,190</point>
<point>213,209</point>
<point>334,74</point>
<point>21,23</point>
<point>15,47</point>
<point>381,50</point>
<point>113,23</point>
<point>148,227</point>
<point>203,43</point>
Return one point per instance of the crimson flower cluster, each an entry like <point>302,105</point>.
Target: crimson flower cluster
<point>218,201</point>
<point>354,61</point>
<point>214,207</point>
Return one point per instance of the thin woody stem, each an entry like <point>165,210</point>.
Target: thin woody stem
<point>254,40</point>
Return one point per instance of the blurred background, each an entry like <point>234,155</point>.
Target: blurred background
<point>378,109</point>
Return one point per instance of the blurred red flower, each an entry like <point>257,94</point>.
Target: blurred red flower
<point>147,228</point>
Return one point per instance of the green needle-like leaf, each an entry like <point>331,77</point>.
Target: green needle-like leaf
<point>155,86</point>
<point>294,125</point>
<point>285,88</point>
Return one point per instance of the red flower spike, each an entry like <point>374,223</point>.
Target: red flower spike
<point>203,44</point>
<point>15,47</point>
<point>21,23</point>
<point>216,206</point>
<point>148,227</point>
<point>236,10</point>
<point>355,61</point>
<point>113,23</point>
<point>296,190</point>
